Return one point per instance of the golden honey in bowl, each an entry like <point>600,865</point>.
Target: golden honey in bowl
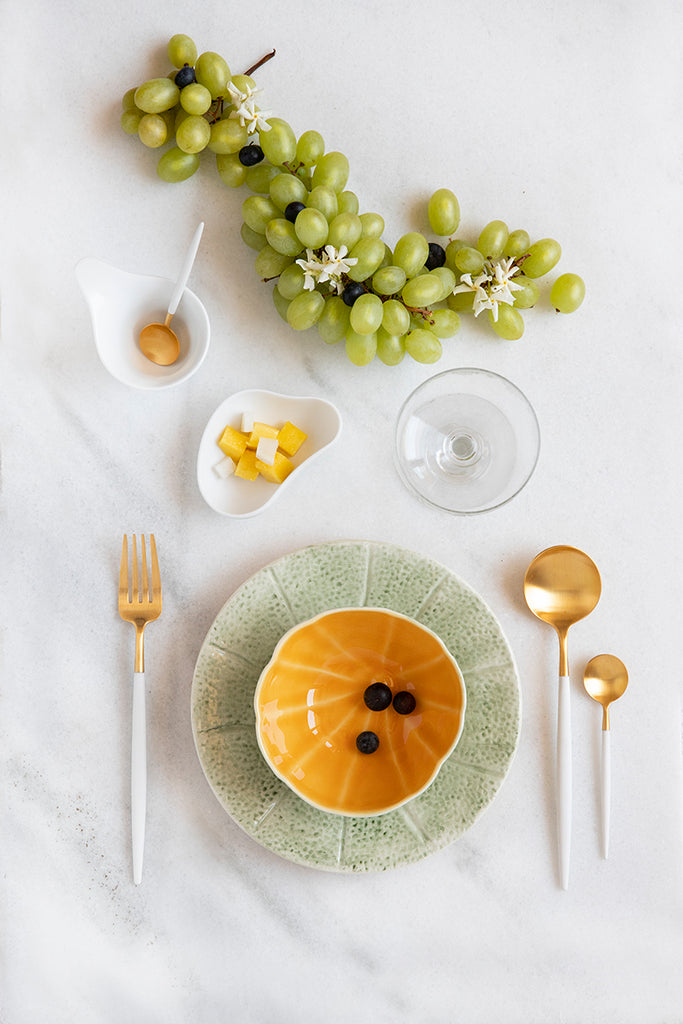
<point>358,709</point>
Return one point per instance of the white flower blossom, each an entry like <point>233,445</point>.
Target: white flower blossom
<point>493,285</point>
<point>246,110</point>
<point>329,267</point>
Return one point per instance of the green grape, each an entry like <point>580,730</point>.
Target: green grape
<point>281,304</point>
<point>542,257</point>
<point>423,345</point>
<point>443,211</point>
<point>258,211</point>
<point>388,259</point>
<point>389,280</point>
<point>175,165</point>
<point>291,281</point>
<point>447,278</point>
<point>232,173</point>
<point>369,252</point>
<point>213,72</point>
<point>509,325</point>
<point>390,348</point>
<point>422,291</point>
<point>156,95</point>
<point>366,314</point>
<point>411,252</point>
<point>463,302</point>
<point>469,260</point>
<point>334,320</point>
<point>192,136</point>
<point>446,323</point>
<point>311,228</point>
<point>226,136</point>
<point>348,202</point>
<point>331,170</point>
<point>195,98</point>
<point>259,177</point>
<point>345,229</point>
<point>179,116</point>
<point>270,263</point>
<point>130,121</point>
<point>128,100</point>
<point>567,293</point>
<point>281,236</point>
<point>360,348</point>
<point>492,239</point>
<point>527,294</point>
<point>324,199</point>
<point>252,238</point>
<point>372,225</point>
<point>181,50</point>
<point>395,317</point>
<point>305,310</point>
<point>278,144</point>
<point>286,189</point>
<point>152,131</point>
<point>452,250</point>
<point>309,148</point>
<point>518,242</point>
<point>243,82</point>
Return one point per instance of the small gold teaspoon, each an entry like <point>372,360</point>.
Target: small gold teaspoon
<point>605,679</point>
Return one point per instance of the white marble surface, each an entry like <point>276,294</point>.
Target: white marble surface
<point>564,119</point>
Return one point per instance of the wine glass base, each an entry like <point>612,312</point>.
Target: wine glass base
<point>467,441</point>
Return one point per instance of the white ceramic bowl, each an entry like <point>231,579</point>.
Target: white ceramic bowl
<point>236,497</point>
<point>121,304</point>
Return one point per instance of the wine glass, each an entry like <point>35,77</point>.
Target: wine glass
<point>467,441</point>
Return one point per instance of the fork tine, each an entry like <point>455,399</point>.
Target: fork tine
<point>136,581</point>
<point>123,572</point>
<point>145,580</point>
<point>156,577</point>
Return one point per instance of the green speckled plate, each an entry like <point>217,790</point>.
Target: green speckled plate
<point>240,643</point>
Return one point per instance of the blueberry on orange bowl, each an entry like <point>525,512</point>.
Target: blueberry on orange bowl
<point>357,710</point>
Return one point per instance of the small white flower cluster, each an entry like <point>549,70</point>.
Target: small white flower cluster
<point>246,110</point>
<point>493,285</point>
<point>328,267</point>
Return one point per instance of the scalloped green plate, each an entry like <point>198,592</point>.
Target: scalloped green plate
<point>239,645</point>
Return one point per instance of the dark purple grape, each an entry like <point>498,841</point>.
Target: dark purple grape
<point>404,702</point>
<point>292,210</point>
<point>352,291</point>
<point>185,76</point>
<point>377,696</point>
<point>367,742</point>
<point>437,256</point>
<point>250,155</point>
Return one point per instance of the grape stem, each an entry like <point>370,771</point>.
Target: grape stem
<point>260,63</point>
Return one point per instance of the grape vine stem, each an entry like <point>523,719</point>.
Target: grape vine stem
<point>260,63</point>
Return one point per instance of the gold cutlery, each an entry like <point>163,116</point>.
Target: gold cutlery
<point>605,679</point>
<point>561,586</point>
<point>139,603</point>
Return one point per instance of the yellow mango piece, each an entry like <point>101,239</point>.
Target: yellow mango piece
<point>276,473</point>
<point>233,443</point>
<point>260,430</point>
<point>246,467</point>
<point>290,438</point>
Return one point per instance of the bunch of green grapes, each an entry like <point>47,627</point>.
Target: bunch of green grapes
<point>331,267</point>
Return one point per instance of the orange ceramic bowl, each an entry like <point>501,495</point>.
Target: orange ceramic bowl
<point>344,748</point>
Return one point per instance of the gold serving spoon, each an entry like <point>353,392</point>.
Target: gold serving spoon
<point>561,586</point>
<point>605,679</point>
<point>159,342</point>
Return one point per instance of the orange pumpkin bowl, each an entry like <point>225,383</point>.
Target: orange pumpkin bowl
<point>344,748</point>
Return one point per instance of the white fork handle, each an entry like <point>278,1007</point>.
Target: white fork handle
<point>606,788</point>
<point>564,779</point>
<point>138,775</point>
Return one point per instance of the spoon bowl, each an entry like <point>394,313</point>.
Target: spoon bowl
<point>605,679</point>
<point>561,586</point>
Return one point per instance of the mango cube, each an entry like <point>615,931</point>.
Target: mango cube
<point>246,467</point>
<point>276,473</point>
<point>260,430</point>
<point>290,438</point>
<point>233,443</point>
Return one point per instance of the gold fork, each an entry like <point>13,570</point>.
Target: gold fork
<point>139,603</point>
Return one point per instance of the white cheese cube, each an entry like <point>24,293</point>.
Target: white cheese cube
<point>266,450</point>
<point>224,468</point>
<point>247,424</point>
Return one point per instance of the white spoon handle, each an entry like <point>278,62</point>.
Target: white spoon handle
<point>564,779</point>
<point>606,788</point>
<point>185,272</point>
<point>138,775</point>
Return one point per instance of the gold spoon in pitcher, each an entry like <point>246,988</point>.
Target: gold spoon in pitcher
<point>561,586</point>
<point>605,679</point>
<point>159,342</point>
